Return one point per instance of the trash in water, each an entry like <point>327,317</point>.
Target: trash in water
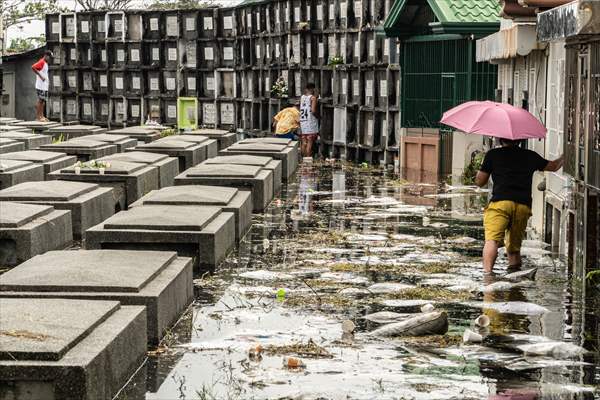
<point>483,321</point>
<point>386,317</point>
<point>435,322</point>
<point>553,349</point>
<point>471,337</point>
<point>280,294</point>
<point>348,326</point>
<point>255,352</point>
<point>511,307</point>
<point>463,240</point>
<point>293,363</point>
<point>354,292</point>
<point>407,304</point>
<point>264,275</point>
<point>427,308</point>
<point>388,287</point>
<point>525,274</point>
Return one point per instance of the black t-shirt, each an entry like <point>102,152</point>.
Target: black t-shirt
<point>512,169</point>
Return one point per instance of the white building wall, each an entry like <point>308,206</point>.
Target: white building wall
<point>556,183</point>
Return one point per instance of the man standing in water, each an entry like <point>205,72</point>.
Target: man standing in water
<point>505,218</point>
<point>309,120</point>
<point>40,69</point>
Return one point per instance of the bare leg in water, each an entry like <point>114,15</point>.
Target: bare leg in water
<point>490,253</point>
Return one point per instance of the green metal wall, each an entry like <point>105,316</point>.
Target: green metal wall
<point>440,74</point>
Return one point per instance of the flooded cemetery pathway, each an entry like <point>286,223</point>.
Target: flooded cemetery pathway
<point>342,243</point>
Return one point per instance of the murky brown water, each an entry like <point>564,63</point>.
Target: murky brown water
<point>305,267</point>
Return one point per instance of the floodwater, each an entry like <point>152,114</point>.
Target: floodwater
<point>309,264</point>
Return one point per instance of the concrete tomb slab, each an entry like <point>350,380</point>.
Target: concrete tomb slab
<point>205,233</point>
<point>288,154</point>
<point>121,141</point>
<point>139,133</point>
<point>9,120</point>
<point>159,280</point>
<point>10,145</point>
<point>225,138</point>
<point>67,132</point>
<point>244,177</point>
<point>37,126</point>
<point>27,230</point>
<point>84,149</point>
<point>168,167</point>
<point>212,146</point>
<point>13,172</point>
<point>69,349</point>
<point>238,202</point>
<point>189,153</point>
<point>89,203</point>
<point>50,160</point>
<point>245,159</point>
<point>29,140</point>
<point>129,181</point>
<point>11,128</point>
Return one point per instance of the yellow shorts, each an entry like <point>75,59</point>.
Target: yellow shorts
<point>505,222</point>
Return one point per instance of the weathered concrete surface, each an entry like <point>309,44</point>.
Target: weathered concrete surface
<point>84,149</point>
<point>139,133</point>
<point>13,172</point>
<point>30,140</point>
<point>287,153</point>
<point>89,203</point>
<point>168,167</point>
<point>129,181</point>
<point>121,141</point>
<point>238,202</point>
<point>211,146</point>
<point>225,138</point>
<point>265,162</point>
<point>205,233</point>
<point>37,126</point>
<point>189,153</point>
<point>161,281</point>
<point>50,160</point>
<point>10,145</point>
<point>27,230</point>
<point>69,349</point>
<point>9,120</point>
<point>73,131</point>
<point>248,177</point>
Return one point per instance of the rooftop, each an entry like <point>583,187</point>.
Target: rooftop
<point>410,17</point>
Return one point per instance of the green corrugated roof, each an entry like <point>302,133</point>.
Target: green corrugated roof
<point>452,16</point>
<point>473,11</point>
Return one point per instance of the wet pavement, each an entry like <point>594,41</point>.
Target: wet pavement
<point>342,243</point>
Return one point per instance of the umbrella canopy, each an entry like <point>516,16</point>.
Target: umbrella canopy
<point>494,119</point>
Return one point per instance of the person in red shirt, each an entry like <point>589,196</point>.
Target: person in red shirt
<point>40,69</point>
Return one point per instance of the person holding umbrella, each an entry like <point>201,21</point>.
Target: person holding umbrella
<point>511,168</point>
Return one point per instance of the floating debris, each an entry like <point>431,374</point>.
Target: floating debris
<point>388,287</point>
<point>512,307</point>
<point>307,350</point>
<point>386,317</point>
<point>525,274</point>
<point>553,349</point>
<point>435,322</point>
<point>264,275</point>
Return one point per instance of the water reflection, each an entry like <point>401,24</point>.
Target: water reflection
<point>342,228</point>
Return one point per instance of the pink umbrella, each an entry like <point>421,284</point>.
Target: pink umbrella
<point>494,119</point>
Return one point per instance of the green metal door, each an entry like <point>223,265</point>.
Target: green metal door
<point>448,92</point>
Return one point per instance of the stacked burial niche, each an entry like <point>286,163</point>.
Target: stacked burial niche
<point>117,69</point>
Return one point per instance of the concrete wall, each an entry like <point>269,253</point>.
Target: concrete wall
<point>556,182</point>
<point>463,147</point>
<point>21,91</point>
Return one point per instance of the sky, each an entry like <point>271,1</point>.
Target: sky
<point>36,28</point>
